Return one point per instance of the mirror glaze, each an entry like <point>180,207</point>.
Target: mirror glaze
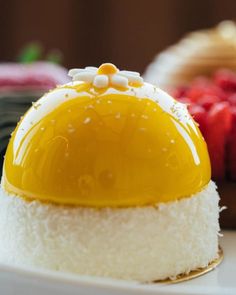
<point>83,146</point>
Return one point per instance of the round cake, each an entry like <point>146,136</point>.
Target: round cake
<point>108,176</point>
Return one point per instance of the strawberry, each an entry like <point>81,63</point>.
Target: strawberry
<point>184,100</point>
<point>225,79</point>
<point>199,114</point>
<point>203,87</point>
<point>178,92</point>
<point>218,127</point>
<point>207,101</point>
<point>212,103</point>
<point>231,148</point>
<point>232,99</point>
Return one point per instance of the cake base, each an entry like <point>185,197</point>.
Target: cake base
<point>140,244</point>
<point>195,273</point>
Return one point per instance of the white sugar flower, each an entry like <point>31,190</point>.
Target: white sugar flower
<point>106,75</point>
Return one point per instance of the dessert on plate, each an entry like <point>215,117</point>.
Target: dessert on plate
<point>200,71</point>
<point>108,176</point>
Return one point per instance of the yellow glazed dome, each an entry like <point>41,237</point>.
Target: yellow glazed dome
<point>106,139</point>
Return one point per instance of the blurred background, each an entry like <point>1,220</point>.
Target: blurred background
<point>127,33</point>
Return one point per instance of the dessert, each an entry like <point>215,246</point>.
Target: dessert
<point>200,71</point>
<point>198,53</point>
<point>108,176</point>
<point>20,85</point>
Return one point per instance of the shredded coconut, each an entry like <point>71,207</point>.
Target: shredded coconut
<point>143,243</point>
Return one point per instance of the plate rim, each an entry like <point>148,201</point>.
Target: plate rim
<point>86,281</point>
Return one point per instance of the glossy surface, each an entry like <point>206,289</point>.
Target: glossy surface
<point>107,69</point>
<point>83,146</point>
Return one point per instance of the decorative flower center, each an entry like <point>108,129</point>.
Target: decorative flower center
<point>106,75</point>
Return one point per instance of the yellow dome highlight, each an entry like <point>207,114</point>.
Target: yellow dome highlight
<point>97,148</point>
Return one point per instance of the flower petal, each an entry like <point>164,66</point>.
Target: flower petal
<point>120,81</point>
<point>101,81</point>
<point>129,73</point>
<point>92,69</point>
<point>73,72</point>
<point>85,76</point>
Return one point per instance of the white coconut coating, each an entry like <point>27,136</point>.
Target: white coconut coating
<point>143,243</point>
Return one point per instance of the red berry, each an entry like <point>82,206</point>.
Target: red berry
<point>178,92</point>
<point>231,148</point>
<point>184,100</point>
<point>232,99</point>
<point>225,79</point>
<point>212,103</point>
<point>199,114</point>
<point>207,101</point>
<point>218,126</point>
<point>199,90</point>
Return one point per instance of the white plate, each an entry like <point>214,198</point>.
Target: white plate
<point>221,281</point>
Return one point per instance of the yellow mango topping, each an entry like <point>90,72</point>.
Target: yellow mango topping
<point>82,146</point>
<point>107,69</point>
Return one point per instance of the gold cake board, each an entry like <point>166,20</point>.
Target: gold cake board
<point>195,273</point>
